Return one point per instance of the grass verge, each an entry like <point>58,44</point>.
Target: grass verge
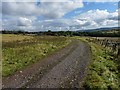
<point>103,73</point>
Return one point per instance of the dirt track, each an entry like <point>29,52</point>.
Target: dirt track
<point>63,69</point>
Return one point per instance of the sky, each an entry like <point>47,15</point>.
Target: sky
<point>73,15</point>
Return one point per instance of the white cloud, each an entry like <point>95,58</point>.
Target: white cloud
<point>98,18</point>
<point>113,16</point>
<point>24,22</point>
<point>94,15</point>
<point>17,23</point>
<point>109,23</point>
<point>88,20</point>
<point>24,16</point>
<point>45,9</point>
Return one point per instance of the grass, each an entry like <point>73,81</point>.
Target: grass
<point>14,37</point>
<point>20,53</point>
<point>103,71</point>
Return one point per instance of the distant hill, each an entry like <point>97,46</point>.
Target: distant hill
<point>101,29</point>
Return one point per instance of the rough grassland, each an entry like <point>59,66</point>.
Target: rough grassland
<point>19,53</point>
<point>103,72</point>
<point>14,37</point>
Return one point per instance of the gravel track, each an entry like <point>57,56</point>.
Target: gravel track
<point>64,69</point>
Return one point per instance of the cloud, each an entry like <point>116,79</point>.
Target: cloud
<point>88,20</point>
<point>25,16</point>
<point>49,10</point>
<point>24,22</point>
<point>109,22</point>
<point>98,18</point>
<point>113,16</point>
<point>94,15</point>
<point>18,8</point>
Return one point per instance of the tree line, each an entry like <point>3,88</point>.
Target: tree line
<point>67,33</point>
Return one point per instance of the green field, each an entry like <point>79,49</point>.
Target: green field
<point>19,51</point>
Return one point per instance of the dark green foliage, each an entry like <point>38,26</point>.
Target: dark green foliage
<point>105,33</point>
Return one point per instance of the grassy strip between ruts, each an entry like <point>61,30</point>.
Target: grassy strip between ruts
<point>19,54</point>
<point>103,71</point>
